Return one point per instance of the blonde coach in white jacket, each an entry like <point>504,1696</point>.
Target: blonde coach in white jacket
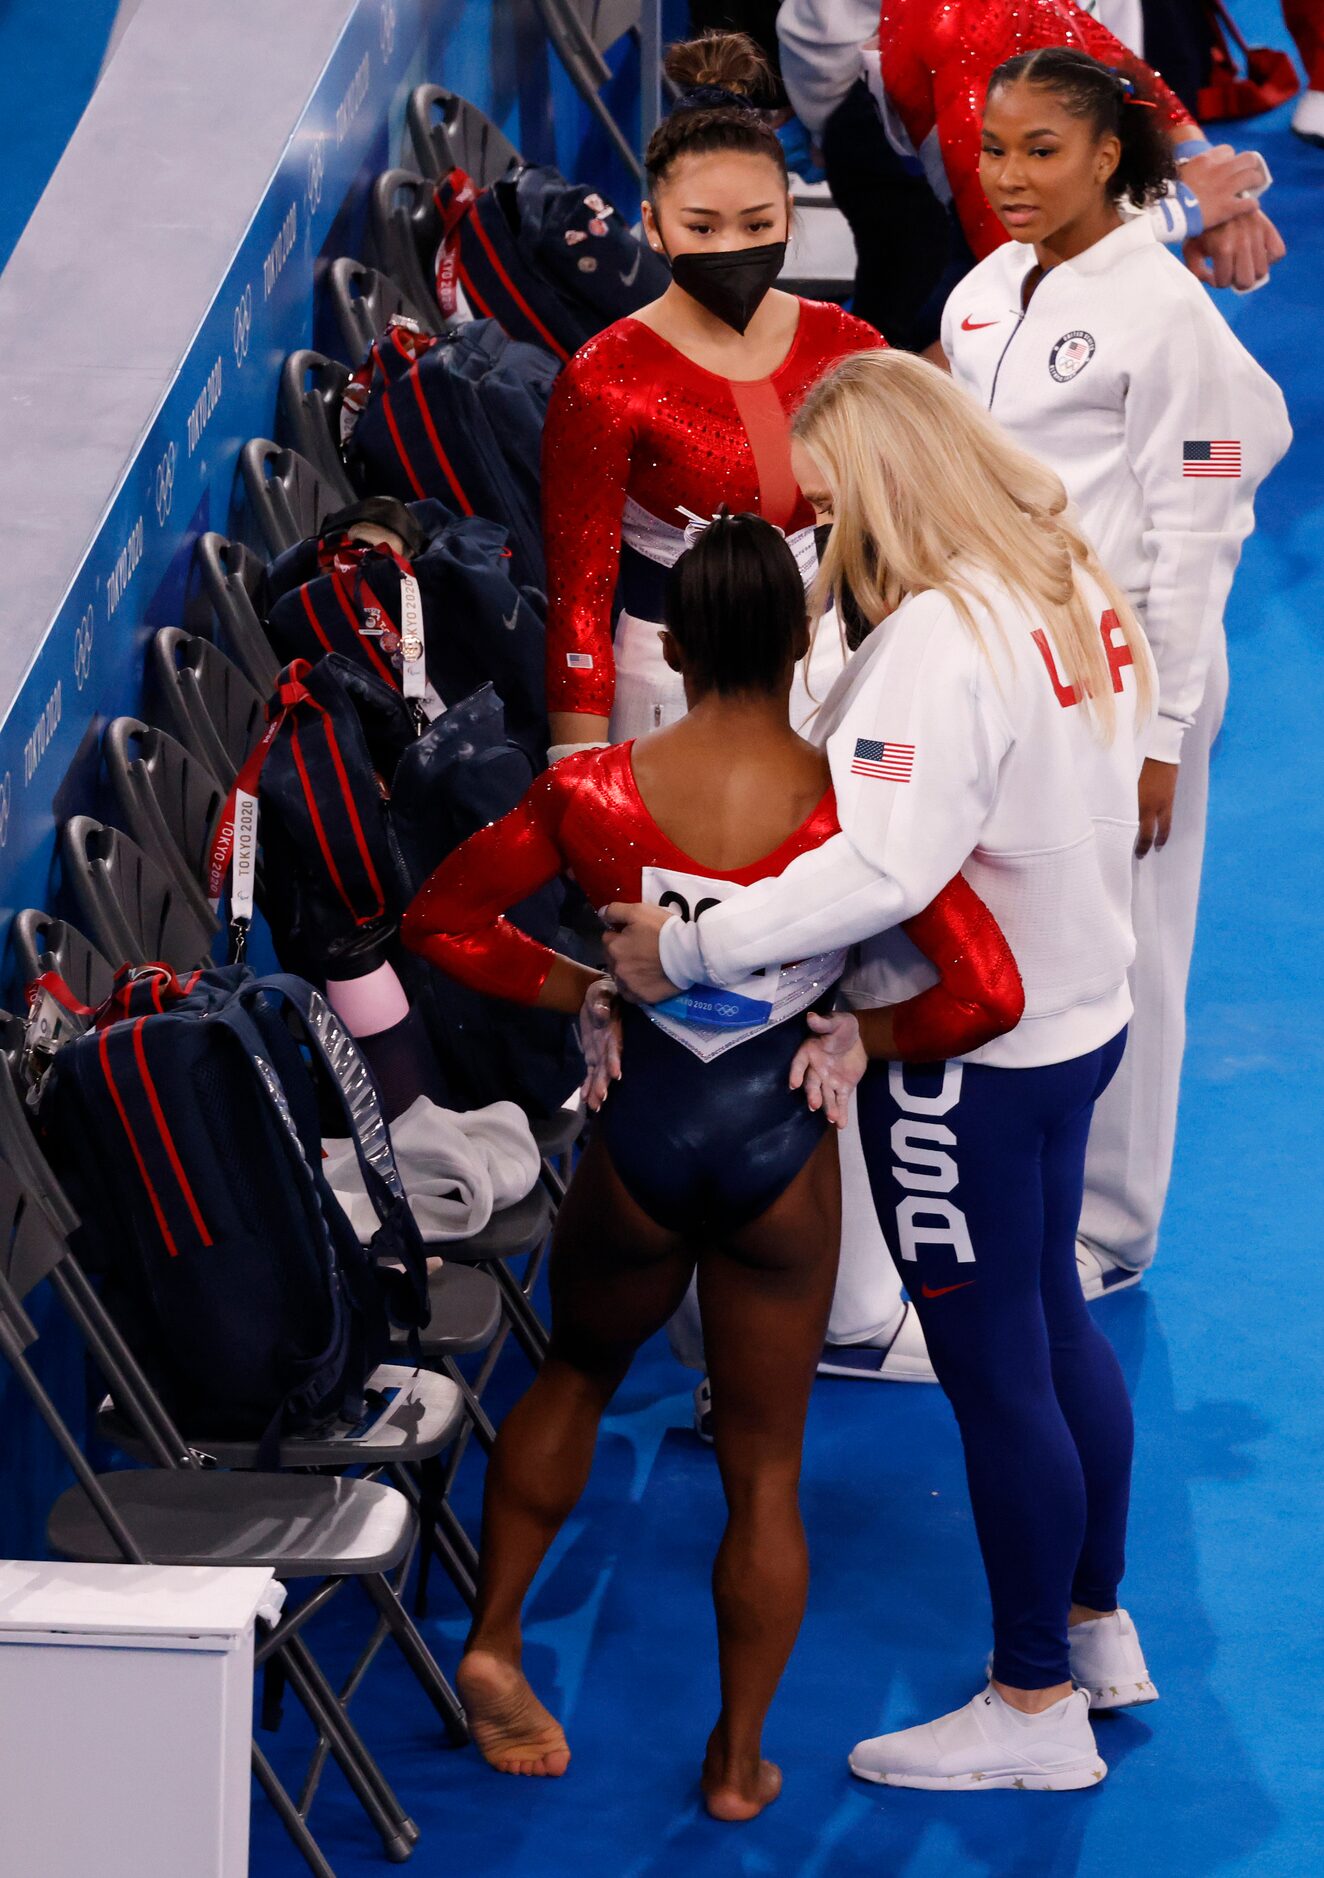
<point>990,724</point>
<point>1097,351</point>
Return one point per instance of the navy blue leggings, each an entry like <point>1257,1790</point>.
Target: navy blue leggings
<point>977,1176</point>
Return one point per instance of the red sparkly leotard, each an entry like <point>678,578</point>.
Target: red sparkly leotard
<point>937,57</point>
<point>585,817</point>
<point>636,432</point>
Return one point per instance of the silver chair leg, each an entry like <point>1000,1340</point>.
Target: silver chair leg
<point>289,1815</point>
<point>366,1779</point>
<point>419,1658</point>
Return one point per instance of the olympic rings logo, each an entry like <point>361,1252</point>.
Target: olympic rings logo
<point>165,484</point>
<point>6,798</point>
<point>316,176</point>
<point>388,25</point>
<point>83,646</point>
<point>242,325</point>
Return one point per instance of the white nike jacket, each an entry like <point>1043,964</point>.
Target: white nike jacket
<point>1125,378</point>
<point>950,757</point>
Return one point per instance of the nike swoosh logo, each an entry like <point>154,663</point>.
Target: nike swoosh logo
<point>511,623</point>
<point>975,326</point>
<point>942,1290</point>
<point>627,280</point>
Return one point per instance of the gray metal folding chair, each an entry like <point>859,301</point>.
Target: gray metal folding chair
<point>177,1513</point>
<point>582,31</point>
<point>166,799</point>
<point>205,700</point>
<point>325,1526</point>
<point>406,233</point>
<point>133,909</point>
<point>312,389</point>
<point>231,575</point>
<point>449,133</point>
<point>365,301</point>
<point>288,495</point>
<point>43,944</point>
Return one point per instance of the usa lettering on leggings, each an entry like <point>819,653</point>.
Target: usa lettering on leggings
<point>924,1164</point>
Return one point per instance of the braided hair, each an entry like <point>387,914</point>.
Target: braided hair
<point>725,84</point>
<point>1117,103</point>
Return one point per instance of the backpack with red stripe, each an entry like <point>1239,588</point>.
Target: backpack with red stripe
<point>457,417</point>
<point>550,260</point>
<point>187,1122</point>
<point>341,594</point>
<point>332,880</point>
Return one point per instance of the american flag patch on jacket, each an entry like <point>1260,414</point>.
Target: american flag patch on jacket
<point>1218,457</point>
<point>884,762</point>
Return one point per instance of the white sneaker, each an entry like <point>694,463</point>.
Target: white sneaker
<point>703,1411</point>
<point>1308,117</point>
<point>1101,1274</point>
<point>989,1744</point>
<point>1108,1663</point>
<point>899,1355</point>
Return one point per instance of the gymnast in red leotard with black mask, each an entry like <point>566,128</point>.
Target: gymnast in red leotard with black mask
<point>713,1153</point>
<point>684,406</point>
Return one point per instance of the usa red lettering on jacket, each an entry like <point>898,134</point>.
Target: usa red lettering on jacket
<point>1123,376</point>
<point>950,755</point>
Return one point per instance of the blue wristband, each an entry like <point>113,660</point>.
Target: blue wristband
<point>1190,202</point>
<point>1192,147</point>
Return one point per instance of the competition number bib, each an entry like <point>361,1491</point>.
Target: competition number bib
<point>711,1019</point>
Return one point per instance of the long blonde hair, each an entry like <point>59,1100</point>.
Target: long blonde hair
<point>928,490</point>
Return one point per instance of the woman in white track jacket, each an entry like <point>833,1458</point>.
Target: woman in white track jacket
<point>990,724</point>
<point>1097,351</point>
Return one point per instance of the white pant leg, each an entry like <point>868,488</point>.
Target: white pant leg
<point>1129,1159</point>
<point>649,695</point>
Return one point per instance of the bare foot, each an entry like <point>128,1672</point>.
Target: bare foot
<point>729,1798</point>
<point>511,1729</point>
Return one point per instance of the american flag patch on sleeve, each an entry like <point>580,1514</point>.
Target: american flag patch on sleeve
<point>883,762</point>
<point>579,661</point>
<point>1212,457</point>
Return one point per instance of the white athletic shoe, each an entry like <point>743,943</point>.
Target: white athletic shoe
<point>703,1411</point>
<point>900,1355</point>
<point>989,1744</point>
<point>1308,117</point>
<point>1108,1663</point>
<point>1100,1274</point>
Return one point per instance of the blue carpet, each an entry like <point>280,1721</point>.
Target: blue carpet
<point>1221,1350</point>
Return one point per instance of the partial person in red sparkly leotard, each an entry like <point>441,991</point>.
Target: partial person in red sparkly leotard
<point>707,1156</point>
<point>935,60</point>
<point>681,408</point>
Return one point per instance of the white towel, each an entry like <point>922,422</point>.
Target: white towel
<point>458,1167</point>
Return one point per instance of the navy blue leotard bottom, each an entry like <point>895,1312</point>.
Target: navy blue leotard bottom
<point>977,1175</point>
<point>705,1148</point>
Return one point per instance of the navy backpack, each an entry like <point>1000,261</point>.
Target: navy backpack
<point>551,261</point>
<point>343,595</point>
<point>186,1122</point>
<point>456,416</point>
<point>355,809</point>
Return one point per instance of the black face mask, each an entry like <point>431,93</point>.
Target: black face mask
<point>733,285</point>
<point>856,625</point>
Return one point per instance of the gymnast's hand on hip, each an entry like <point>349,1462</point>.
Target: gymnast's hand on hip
<point>829,1064</point>
<point>633,952</point>
<point>600,1040</point>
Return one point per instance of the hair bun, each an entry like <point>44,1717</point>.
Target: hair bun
<point>720,62</point>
